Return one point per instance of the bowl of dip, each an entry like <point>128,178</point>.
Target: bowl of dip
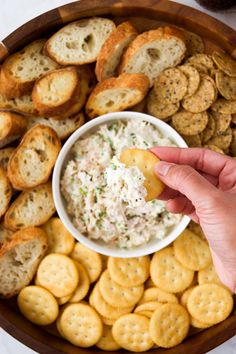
<point>100,201</point>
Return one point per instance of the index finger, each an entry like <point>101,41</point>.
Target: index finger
<point>200,159</point>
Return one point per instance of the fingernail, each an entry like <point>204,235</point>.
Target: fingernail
<point>162,168</point>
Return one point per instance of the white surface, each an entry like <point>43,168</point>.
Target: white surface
<point>14,13</point>
<point>108,250</point>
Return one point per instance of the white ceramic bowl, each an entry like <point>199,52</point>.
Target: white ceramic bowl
<point>99,246</point>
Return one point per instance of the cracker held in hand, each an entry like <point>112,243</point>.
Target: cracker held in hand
<point>117,94</point>
<point>169,325</point>
<point>146,162</point>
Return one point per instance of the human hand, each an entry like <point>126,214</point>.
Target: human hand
<point>202,184</point>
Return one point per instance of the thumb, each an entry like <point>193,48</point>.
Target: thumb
<point>185,180</point>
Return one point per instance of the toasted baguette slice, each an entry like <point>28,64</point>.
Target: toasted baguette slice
<point>87,83</point>
<point>55,92</point>
<point>12,127</point>
<point>32,161</point>
<point>63,127</point>
<point>20,70</point>
<point>153,51</point>
<point>117,94</point>
<point>31,208</point>
<point>23,104</point>
<point>79,42</point>
<point>112,49</point>
<point>19,259</point>
<point>5,235</point>
<point>5,191</point>
<point>5,155</point>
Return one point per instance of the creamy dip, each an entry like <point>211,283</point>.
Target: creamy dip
<point>106,200</point>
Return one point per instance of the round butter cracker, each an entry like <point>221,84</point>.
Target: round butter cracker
<point>38,305</point>
<point>81,325</point>
<point>129,272</point>
<point>107,342</point>
<point>168,273</point>
<point>131,332</point>
<point>117,295</point>
<point>169,325</point>
<point>156,294</point>
<point>89,259</point>
<point>59,239</point>
<point>210,303</point>
<point>58,274</point>
<point>191,251</point>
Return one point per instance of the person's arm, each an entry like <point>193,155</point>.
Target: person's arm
<point>202,184</point>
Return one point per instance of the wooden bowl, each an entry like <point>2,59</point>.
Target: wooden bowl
<point>145,14</point>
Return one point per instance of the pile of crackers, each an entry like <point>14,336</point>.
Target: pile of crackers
<point>130,303</point>
<point>198,98</point>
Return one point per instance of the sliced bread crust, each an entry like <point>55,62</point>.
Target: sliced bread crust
<point>55,92</point>
<point>153,51</point>
<point>87,83</point>
<point>109,56</point>
<point>63,127</point>
<point>5,191</point>
<point>12,127</point>
<point>19,259</point>
<point>32,161</point>
<point>20,70</point>
<point>23,104</point>
<point>5,155</point>
<point>117,94</point>
<point>31,208</point>
<point>79,42</point>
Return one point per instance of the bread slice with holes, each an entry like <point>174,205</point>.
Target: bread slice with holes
<point>5,191</point>
<point>12,127</point>
<point>20,70</point>
<point>55,92</point>
<point>117,94</point>
<point>31,208</point>
<point>5,235</point>
<point>79,42</point>
<point>87,83</point>
<point>112,50</point>
<point>153,51</point>
<point>32,161</point>
<point>5,155</point>
<point>19,259</point>
<point>63,127</point>
<point>23,104</point>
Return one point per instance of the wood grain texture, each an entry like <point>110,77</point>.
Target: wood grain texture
<point>145,14</point>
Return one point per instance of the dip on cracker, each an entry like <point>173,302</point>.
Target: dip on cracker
<point>108,200</point>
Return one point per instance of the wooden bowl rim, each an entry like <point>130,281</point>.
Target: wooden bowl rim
<point>199,342</point>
